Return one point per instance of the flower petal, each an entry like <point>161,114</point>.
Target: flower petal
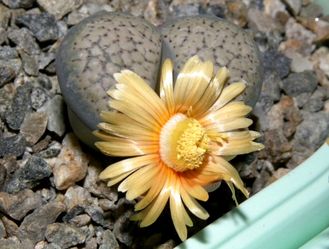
<point>183,79</point>
<point>238,123</point>
<point>136,113</point>
<point>193,205</point>
<point>128,95</point>
<point>126,131</point>
<point>141,88</point>
<point>155,189</point>
<point>153,211</point>
<point>230,175</point>
<point>235,143</point>
<point>194,189</point>
<point>124,147</point>
<point>116,118</point>
<point>230,92</point>
<point>229,112</point>
<point>211,94</point>
<point>166,86</point>
<point>127,165</point>
<point>177,210</point>
<point>140,178</point>
<point>194,81</point>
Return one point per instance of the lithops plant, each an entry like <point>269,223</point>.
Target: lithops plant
<point>92,52</point>
<point>221,42</point>
<point>107,43</point>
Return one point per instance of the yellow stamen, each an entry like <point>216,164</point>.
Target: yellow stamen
<point>183,143</point>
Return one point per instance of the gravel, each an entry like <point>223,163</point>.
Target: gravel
<point>50,194</point>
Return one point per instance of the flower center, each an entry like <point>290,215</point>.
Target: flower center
<point>183,143</point>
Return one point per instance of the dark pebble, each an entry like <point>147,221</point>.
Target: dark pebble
<point>187,9</point>
<point>18,205</point>
<point>313,131</point>
<point>7,74</point>
<point>3,174</point>
<point>24,40</point>
<point>29,63</point>
<point>35,224</point>
<point>15,4</point>
<point>21,104</point>
<point>39,96</point>
<point>2,230</point>
<point>75,211</point>
<point>277,147</point>
<point>28,176</point>
<point>109,241</point>
<point>52,151</point>
<point>65,235</point>
<point>273,61</point>
<point>10,243</point>
<point>14,145</point>
<point>95,213</point>
<point>7,52</point>
<point>298,83</point>
<point>43,26</point>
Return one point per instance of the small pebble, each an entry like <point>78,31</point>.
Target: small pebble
<point>80,220</point>
<point>13,145</point>
<point>7,74</point>
<point>9,69</point>
<point>298,83</point>
<point>122,228</point>
<point>109,241</point>
<point>7,52</point>
<point>259,21</point>
<point>312,132</point>
<point>11,226</point>
<point>77,196</point>
<point>277,147</point>
<point>10,243</point>
<point>24,40</point>
<point>97,187</point>
<point>3,233</point>
<point>19,204</point>
<point>277,62</point>
<point>51,151</point>
<point>71,164</point>
<point>39,97</point>
<point>29,64</point>
<point>55,111</point>
<point>299,63</point>
<point>294,6</point>
<point>4,16</point>
<point>52,246</point>
<point>21,104</point>
<point>312,10</point>
<point>95,213</point>
<point>28,176</point>
<point>296,31</point>
<point>34,126</point>
<point>34,225</point>
<point>65,235</point>
<point>43,26</point>
<point>15,4</point>
<point>59,8</point>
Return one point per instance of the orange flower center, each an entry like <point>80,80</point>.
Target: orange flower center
<point>183,143</point>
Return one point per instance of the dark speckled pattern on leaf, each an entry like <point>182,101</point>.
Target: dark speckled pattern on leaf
<point>217,40</point>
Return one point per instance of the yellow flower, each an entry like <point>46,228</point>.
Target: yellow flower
<point>179,143</point>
